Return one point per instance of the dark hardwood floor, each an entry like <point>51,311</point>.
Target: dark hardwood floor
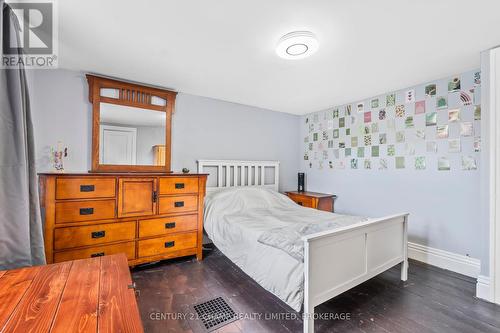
<point>432,300</point>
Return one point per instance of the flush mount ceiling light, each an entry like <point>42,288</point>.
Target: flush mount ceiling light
<point>297,45</point>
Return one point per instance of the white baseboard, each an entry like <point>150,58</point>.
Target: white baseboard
<point>483,288</point>
<point>443,259</point>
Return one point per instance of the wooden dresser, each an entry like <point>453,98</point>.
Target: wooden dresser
<point>148,217</point>
<point>321,201</point>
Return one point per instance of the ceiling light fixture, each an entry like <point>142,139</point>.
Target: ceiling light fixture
<point>297,45</point>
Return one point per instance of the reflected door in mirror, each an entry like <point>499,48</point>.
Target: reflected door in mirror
<point>118,145</point>
<point>130,135</point>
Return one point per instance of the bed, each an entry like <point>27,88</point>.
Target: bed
<point>302,255</point>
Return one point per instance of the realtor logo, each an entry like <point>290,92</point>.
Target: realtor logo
<point>30,38</point>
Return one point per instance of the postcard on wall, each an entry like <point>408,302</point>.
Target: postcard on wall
<point>420,134</point>
<point>391,150</point>
<point>442,132</point>
<point>391,124</point>
<point>375,151</point>
<point>468,163</point>
<point>335,113</point>
<point>347,152</point>
<point>354,163</point>
<point>374,127</point>
<point>419,107</point>
<point>409,122</point>
<point>441,102</point>
<point>341,122</point>
<point>368,140</point>
<point>354,141</point>
<point>431,119</point>
<point>400,162</point>
<point>368,117</point>
<point>391,100</point>
<point>477,112</point>
<point>348,110</point>
<point>410,96</point>
<point>336,153</point>
<point>360,107</point>
<point>477,78</point>
<point>454,84</point>
<point>454,115</point>
<point>382,164</point>
<point>382,138</point>
<point>368,164</point>
<point>382,114</point>
<point>431,147</point>
<point>420,163</point>
<point>374,103</point>
<point>361,152</point>
<point>410,149</point>
<point>466,129</point>
<point>400,136</point>
<point>466,98</point>
<point>400,110</point>
<point>477,144</point>
<point>443,164</point>
<point>454,145</point>
<point>430,90</point>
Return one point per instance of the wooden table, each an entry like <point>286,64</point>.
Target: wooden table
<point>89,295</point>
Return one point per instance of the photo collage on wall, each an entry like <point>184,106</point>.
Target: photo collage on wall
<point>435,126</point>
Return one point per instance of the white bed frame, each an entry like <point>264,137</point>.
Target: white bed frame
<point>335,260</point>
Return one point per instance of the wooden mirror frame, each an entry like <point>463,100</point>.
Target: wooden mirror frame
<point>134,95</point>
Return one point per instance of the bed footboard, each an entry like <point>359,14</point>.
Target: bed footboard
<point>338,260</point>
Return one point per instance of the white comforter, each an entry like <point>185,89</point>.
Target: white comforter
<point>236,218</point>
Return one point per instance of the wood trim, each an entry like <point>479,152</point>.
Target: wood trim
<point>138,96</point>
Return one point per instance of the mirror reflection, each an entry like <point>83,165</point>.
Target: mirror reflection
<point>131,136</point>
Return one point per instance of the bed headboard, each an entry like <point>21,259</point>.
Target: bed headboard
<point>230,173</point>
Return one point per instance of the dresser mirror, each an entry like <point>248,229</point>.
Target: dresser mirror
<point>131,129</point>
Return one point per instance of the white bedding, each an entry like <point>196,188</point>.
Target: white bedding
<point>236,218</point>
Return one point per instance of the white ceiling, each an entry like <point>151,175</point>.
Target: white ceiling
<point>225,49</point>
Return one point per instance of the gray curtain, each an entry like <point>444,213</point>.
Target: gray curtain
<point>21,237</point>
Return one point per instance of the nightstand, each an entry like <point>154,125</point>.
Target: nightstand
<point>321,201</point>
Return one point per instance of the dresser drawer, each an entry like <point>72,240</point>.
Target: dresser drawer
<point>96,251</point>
<point>178,185</point>
<point>178,204</point>
<point>167,225</point>
<point>171,243</point>
<point>65,238</point>
<point>85,188</point>
<point>302,200</point>
<point>76,211</point>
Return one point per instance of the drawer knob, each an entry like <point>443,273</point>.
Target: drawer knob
<point>170,225</point>
<point>179,204</point>
<point>179,186</point>
<point>86,211</point>
<point>98,234</point>
<point>87,188</point>
<point>99,254</point>
<point>170,244</point>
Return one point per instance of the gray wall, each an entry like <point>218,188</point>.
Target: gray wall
<point>444,206</point>
<point>203,128</point>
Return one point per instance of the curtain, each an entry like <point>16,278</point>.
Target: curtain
<point>21,237</point>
